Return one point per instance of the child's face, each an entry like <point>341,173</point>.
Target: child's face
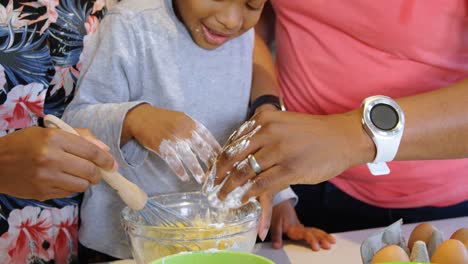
<point>214,22</point>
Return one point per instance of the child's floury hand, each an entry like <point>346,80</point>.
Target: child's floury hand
<point>174,136</point>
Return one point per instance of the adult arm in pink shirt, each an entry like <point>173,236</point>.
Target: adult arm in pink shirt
<point>295,148</point>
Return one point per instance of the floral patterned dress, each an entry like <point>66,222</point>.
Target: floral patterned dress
<point>41,43</point>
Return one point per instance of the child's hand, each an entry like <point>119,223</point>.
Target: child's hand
<point>174,136</point>
<point>285,221</point>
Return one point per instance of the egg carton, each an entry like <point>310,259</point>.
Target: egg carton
<point>392,235</point>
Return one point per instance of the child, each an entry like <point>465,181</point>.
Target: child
<point>151,62</point>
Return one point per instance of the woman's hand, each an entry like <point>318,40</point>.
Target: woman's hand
<point>44,163</point>
<point>285,221</point>
<point>293,148</point>
<point>174,136</point>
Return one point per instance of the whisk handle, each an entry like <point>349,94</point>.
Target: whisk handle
<point>129,192</point>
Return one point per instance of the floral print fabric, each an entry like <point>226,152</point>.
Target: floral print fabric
<point>41,46</point>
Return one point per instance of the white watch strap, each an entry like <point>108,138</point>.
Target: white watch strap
<point>387,148</point>
<point>378,168</point>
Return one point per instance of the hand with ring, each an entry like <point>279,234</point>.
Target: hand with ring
<point>285,148</point>
<point>254,164</point>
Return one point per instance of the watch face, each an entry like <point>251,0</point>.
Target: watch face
<point>384,117</point>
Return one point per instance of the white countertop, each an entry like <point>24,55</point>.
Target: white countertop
<point>347,246</point>
<point>345,250</point>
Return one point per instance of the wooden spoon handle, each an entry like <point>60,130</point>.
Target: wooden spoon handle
<point>129,192</point>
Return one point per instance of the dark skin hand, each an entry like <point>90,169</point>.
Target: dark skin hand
<point>295,148</point>
<point>279,153</point>
<point>50,163</point>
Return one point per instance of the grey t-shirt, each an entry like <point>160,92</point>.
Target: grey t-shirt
<point>143,53</point>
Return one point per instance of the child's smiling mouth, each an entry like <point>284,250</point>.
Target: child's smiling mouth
<point>214,37</point>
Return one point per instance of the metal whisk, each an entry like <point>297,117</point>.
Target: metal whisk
<point>152,212</point>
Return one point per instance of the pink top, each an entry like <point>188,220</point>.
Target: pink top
<point>332,54</point>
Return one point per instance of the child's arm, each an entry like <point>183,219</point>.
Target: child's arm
<point>103,96</point>
<point>263,76</point>
<point>111,103</point>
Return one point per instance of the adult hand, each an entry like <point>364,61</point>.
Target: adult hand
<point>266,200</point>
<point>285,221</point>
<point>50,163</point>
<point>293,148</point>
<point>174,136</point>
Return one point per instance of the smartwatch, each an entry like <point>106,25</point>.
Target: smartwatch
<point>384,121</point>
<point>266,99</point>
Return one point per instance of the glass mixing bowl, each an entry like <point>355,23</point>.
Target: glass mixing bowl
<point>233,229</point>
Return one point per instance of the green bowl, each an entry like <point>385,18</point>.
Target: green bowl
<point>213,257</point>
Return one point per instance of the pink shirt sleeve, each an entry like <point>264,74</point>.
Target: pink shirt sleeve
<point>333,54</point>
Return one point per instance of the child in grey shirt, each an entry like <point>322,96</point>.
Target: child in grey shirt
<point>151,70</point>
